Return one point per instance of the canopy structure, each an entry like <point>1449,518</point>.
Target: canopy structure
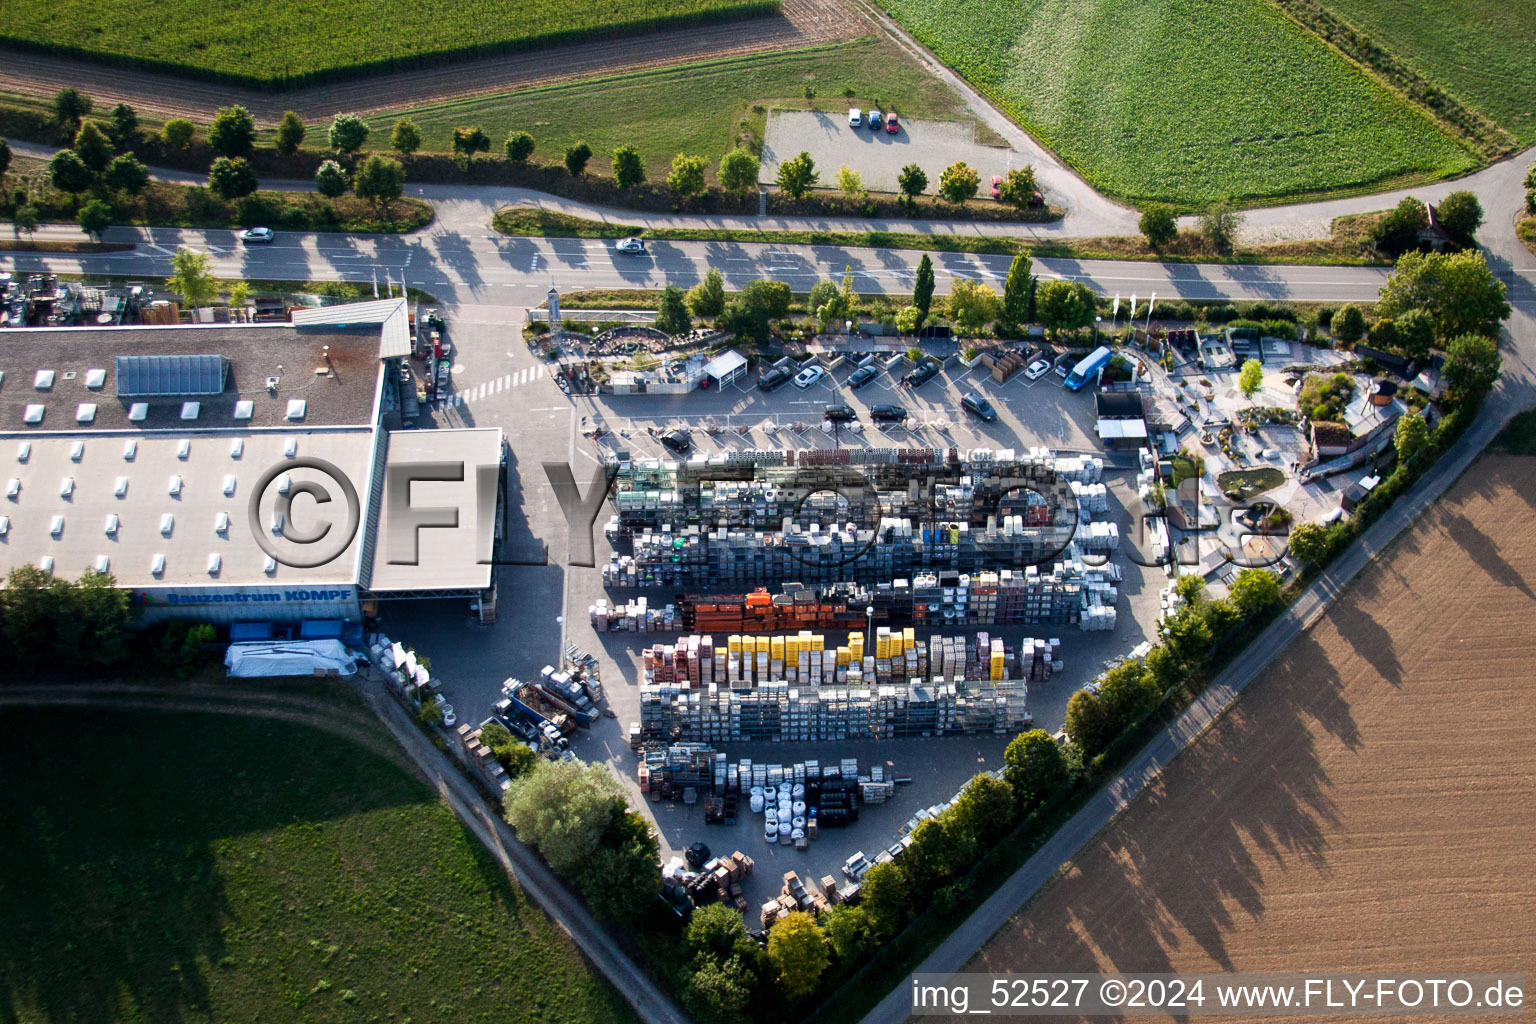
<point>1113,430</point>
<point>725,367</point>
<point>289,658</point>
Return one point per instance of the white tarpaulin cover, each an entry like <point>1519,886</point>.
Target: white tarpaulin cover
<point>289,658</point>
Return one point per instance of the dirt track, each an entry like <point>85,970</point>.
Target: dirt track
<point>802,23</point>
<point>1365,806</point>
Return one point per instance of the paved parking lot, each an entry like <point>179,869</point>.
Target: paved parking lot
<point>542,607</point>
<point>878,156</point>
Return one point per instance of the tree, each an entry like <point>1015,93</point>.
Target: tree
<point>239,298</point>
<point>1065,305</point>
<point>738,171</point>
<point>125,125</point>
<point>938,853</point>
<point>715,933</point>
<point>5,156</point>
<point>93,147</point>
<point>707,298</point>
<point>1348,324</point>
<point>1251,377</point>
<point>68,172</point>
<point>233,131</point>
<point>959,182</point>
<point>192,277</point>
<point>576,157</point>
<point>1019,293</point>
<point>984,809</point>
<point>1088,723</point>
<point>1415,334</point>
<point>69,106</point>
<point>127,174</point>
<point>94,217</point>
<point>380,180</point>
<point>755,307</point>
<point>847,929</point>
<point>1126,692</point>
<point>830,304</point>
<point>1457,290</point>
<point>1460,214</point>
<point>672,312</point>
<point>620,878</point>
<point>1220,225</point>
<point>908,319</point>
<point>797,176</point>
<point>1309,542</point>
<point>1034,766</point>
<point>177,133</point>
<point>850,183</point>
<point>1472,365</point>
<point>972,305</point>
<point>25,219</point>
<point>562,809</point>
<point>405,137</point>
<point>887,895</point>
<point>686,178</point>
<point>32,602</point>
<point>331,180</point>
<point>231,178</point>
<point>1399,228</point>
<point>1411,436</point>
<point>347,134</point>
<point>1017,188</point>
<point>100,621</point>
<point>922,288</point>
<point>715,993</point>
<point>798,951</point>
<point>628,168</point>
<point>519,147</point>
<point>467,141</point>
<point>913,182</point>
<point>290,133</point>
<point>1159,224</point>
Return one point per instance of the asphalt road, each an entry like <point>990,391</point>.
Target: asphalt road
<point>489,269</point>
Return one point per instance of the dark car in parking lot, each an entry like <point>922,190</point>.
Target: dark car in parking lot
<point>921,375</point>
<point>978,406</point>
<point>773,379</point>
<point>678,441</point>
<point>863,375</point>
<point>839,414</point>
<point>887,414</point>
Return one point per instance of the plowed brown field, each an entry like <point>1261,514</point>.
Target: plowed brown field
<point>1366,806</point>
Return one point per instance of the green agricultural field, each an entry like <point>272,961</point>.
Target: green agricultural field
<point>1482,53</point>
<point>1191,101</point>
<point>694,108</point>
<point>277,42</point>
<point>185,867</point>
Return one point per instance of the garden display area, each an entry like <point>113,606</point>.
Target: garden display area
<point>271,43</point>
<point>1189,101</point>
<point>188,866</point>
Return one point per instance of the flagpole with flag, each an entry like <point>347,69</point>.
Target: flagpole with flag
<point>1150,303</point>
<point>1132,318</point>
<point>1114,317</point>
<point>375,282</point>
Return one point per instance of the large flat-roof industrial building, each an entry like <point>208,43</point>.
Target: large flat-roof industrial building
<point>241,472</point>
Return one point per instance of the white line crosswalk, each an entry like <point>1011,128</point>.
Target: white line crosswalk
<point>485,389</point>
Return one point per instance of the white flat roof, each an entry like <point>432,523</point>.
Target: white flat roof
<point>725,364</point>
<point>197,509</point>
<point>446,558</point>
<point>1111,430</point>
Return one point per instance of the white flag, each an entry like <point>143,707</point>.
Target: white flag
<point>1133,305</point>
<point>1117,306</point>
<point>1150,303</point>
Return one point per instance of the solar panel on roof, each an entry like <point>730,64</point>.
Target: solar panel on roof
<point>170,375</point>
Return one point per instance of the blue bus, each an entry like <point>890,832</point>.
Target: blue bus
<point>1088,369</point>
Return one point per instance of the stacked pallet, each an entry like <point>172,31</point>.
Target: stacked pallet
<point>636,616</point>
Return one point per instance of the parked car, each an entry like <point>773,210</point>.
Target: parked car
<point>891,127</point>
<point>924,373</point>
<point>634,246</point>
<point>808,376</point>
<point>1037,369</point>
<point>839,414</point>
<point>773,379</point>
<point>997,187</point>
<point>876,122</point>
<point>888,414</point>
<point>978,406</point>
<point>678,441</point>
<point>862,376</point>
<point>256,236</point>
<point>855,117</point>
